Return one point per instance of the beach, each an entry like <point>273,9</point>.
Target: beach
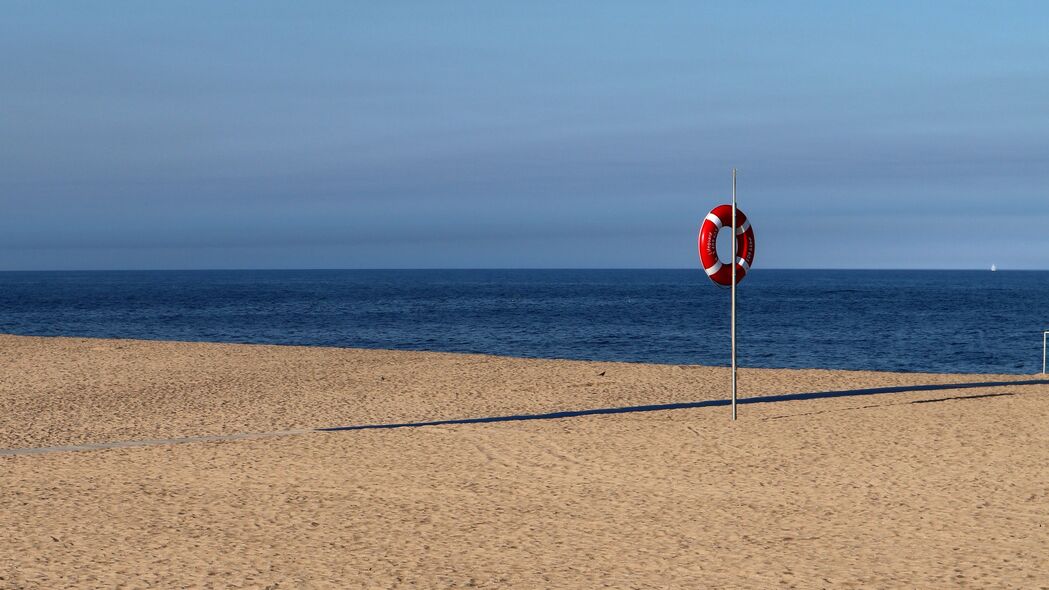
<point>203,467</point>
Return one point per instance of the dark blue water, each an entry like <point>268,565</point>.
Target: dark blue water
<point>945,321</point>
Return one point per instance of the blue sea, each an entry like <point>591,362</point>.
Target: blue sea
<point>942,321</point>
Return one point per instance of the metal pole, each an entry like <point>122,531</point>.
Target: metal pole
<point>733,263</point>
<point>1045,336</point>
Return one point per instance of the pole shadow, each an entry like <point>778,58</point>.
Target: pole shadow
<point>787,397</point>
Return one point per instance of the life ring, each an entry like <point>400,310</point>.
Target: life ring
<point>719,217</point>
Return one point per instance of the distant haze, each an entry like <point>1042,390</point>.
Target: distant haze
<point>521,134</point>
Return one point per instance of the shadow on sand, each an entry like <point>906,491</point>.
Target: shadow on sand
<point>788,397</point>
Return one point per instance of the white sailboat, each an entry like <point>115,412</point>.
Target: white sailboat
<point>994,268</point>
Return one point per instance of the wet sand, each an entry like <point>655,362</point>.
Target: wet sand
<point>938,487</point>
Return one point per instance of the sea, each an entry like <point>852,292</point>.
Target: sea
<point>914,321</point>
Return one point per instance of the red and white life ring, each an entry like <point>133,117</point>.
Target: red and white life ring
<point>719,217</point>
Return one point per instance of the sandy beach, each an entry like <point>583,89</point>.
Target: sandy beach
<point>874,480</point>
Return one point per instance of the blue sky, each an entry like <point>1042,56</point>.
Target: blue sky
<point>531,134</point>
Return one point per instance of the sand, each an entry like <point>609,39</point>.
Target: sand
<point>943,487</point>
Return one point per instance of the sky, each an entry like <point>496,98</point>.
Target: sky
<point>521,134</point>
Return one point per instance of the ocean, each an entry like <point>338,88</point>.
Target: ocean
<point>939,321</point>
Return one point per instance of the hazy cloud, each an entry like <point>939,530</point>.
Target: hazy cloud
<point>471,134</point>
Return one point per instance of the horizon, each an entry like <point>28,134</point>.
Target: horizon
<point>437,269</point>
<point>466,135</point>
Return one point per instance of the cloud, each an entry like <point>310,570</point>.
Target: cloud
<point>329,134</point>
